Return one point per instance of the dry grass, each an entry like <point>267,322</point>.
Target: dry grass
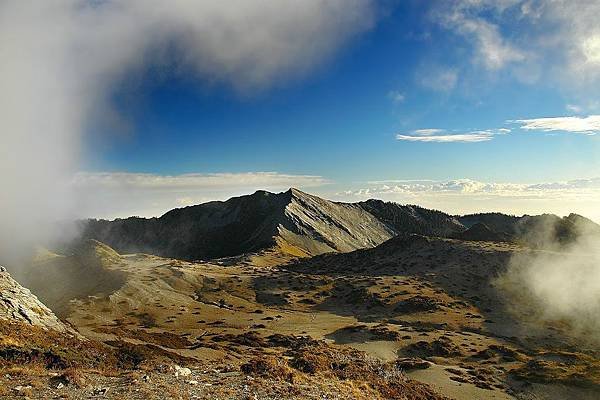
<point>23,344</point>
<point>336,364</point>
<point>269,366</point>
<point>574,370</point>
<point>165,339</point>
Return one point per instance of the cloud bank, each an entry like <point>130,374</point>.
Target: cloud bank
<point>121,194</point>
<point>464,196</point>
<point>62,60</point>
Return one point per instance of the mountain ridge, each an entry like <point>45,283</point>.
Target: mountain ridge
<point>303,224</point>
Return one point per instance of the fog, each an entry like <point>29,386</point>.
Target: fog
<point>62,60</point>
<point>559,284</point>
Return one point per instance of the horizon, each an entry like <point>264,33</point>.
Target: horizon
<point>312,194</point>
<point>462,107</point>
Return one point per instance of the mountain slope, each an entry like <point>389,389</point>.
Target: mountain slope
<point>539,231</point>
<point>413,219</point>
<point>308,224</point>
<point>89,269</point>
<point>330,226</point>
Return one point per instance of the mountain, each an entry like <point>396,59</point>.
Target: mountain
<point>18,304</point>
<point>295,221</point>
<point>300,224</point>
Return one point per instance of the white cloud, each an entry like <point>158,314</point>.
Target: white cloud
<point>462,138</point>
<point>574,108</point>
<point>122,194</point>
<point>492,50</point>
<point>442,136</point>
<point>591,49</point>
<point>396,96</point>
<point>427,132</point>
<point>534,40</point>
<point>586,125</point>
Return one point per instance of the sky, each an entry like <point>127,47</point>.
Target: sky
<point>463,106</point>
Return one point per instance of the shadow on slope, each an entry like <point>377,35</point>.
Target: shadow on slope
<point>87,271</point>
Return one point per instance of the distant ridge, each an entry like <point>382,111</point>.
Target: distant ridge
<point>301,224</point>
<point>532,230</point>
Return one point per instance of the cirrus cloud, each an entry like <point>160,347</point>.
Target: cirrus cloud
<point>589,125</point>
<point>442,136</point>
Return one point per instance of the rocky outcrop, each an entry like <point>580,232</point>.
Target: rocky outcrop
<point>18,304</point>
<point>320,225</point>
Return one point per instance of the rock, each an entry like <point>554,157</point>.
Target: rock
<point>408,364</point>
<point>182,371</point>
<point>100,391</point>
<point>18,304</point>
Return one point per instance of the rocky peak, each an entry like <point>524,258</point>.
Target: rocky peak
<point>333,226</point>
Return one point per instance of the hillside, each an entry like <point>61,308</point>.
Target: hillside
<point>413,219</point>
<point>87,270</point>
<point>538,231</point>
<point>415,308</point>
<point>130,351</point>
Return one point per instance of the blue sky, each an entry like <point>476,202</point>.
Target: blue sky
<point>463,106</point>
<point>340,120</point>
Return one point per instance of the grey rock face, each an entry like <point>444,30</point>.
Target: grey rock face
<point>334,226</point>
<point>18,304</point>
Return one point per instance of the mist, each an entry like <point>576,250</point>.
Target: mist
<point>559,283</point>
<point>62,59</point>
